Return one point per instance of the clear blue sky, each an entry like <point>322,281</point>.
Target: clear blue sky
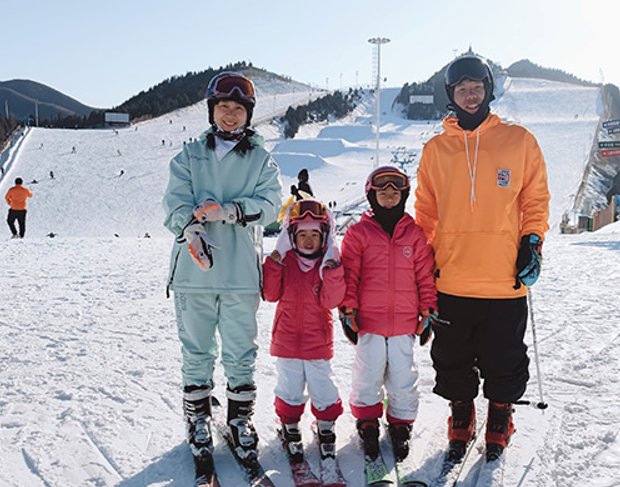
<point>102,53</point>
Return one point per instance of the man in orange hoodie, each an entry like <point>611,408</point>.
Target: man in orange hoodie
<point>483,202</point>
<point>16,198</point>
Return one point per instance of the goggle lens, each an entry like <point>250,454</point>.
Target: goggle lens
<point>308,208</point>
<point>396,180</point>
<point>226,85</point>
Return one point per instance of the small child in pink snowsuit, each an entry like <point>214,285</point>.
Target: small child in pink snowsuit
<point>390,298</point>
<point>305,277</point>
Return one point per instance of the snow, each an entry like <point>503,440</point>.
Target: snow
<point>90,390</point>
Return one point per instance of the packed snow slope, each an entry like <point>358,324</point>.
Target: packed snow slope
<point>90,389</point>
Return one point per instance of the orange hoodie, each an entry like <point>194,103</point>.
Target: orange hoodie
<point>16,197</point>
<point>475,203</point>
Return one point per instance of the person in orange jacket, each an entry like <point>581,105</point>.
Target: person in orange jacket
<point>16,198</point>
<point>483,201</point>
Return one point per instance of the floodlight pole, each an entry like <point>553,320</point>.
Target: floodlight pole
<point>378,41</point>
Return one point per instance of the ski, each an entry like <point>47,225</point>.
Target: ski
<point>253,471</point>
<point>491,472</point>
<point>303,476</point>
<point>331,476</point>
<point>407,476</point>
<point>206,475</point>
<point>376,471</point>
<point>451,470</point>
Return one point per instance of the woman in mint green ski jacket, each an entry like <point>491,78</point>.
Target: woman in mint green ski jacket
<point>222,189</point>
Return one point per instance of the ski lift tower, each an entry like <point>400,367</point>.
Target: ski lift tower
<point>377,42</point>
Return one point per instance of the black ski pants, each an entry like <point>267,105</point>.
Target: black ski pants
<point>484,339</point>
<point>20,216</point>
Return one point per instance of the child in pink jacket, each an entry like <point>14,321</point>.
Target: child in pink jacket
<point>304,276</point>
<point>390,293</point>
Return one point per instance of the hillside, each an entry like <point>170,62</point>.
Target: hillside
<point>22,96</point>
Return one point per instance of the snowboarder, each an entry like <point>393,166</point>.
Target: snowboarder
<point>385,257</point>
<point>16,199</point>
<point>303,274</point>
<point>483,202</point>
<point>221,188</point>
<point>302,185</point>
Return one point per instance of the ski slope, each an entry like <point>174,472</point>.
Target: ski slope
<point>90,389</point>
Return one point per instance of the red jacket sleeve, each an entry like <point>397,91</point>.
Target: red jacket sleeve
<point>351,257</point>
<point>424,270</point>
<point>272,280</point>
<point>333,288</point>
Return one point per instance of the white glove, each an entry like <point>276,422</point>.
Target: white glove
<point>212,211</point>
<point>199,246</point>
<point>283,244</point>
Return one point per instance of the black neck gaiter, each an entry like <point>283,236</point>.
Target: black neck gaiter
<point>387,218</point>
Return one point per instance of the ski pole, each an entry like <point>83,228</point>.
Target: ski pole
<point>542,404</point>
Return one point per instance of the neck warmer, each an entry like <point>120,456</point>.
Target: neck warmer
<point>387,218</point>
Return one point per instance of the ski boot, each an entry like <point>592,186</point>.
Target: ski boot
<point>291,440</point>
<point>499,429</point>
<point>243,437</point>
<point>400,434</point>
<point>368,430</point>
<point>461,428</point>
<point>327,438</point>
<point>197,411</point>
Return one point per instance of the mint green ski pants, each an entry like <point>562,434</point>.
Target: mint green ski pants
<point>234,316</point>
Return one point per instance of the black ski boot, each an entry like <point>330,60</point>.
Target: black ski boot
<point>291,440</point>
<point>368,430</point>
<point>400,434</point>
<point>461,428</point>
<point>242,433</point>
<point>327,438</point>
<point>197,410</point>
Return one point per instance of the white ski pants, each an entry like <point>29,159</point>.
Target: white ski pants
<point>294,374</point>
<point>384,362</point>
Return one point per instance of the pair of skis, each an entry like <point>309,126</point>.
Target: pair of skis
<point>379,475</point>
<point>303,476</point>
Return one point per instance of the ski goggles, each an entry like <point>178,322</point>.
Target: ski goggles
<point>308,209</point>
<point>397,180</point>
<point>225,85</point>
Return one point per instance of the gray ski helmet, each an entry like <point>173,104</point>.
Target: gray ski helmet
<point>469,67</point>
<point>230,85</point>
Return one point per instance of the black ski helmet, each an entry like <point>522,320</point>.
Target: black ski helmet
<point>469,67</point>
<point>230,85</point>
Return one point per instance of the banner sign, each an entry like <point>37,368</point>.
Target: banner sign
<point>613,130</point>
<point>610,153</point>
<point>611,123</point>
<point>608,145</point>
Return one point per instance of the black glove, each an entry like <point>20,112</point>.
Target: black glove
<point>293,190</point>
<point>349,323</point>
<point>529,260</point>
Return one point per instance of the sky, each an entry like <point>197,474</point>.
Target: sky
<point>102,53</point>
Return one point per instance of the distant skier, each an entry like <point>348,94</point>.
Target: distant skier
<point>221,187</point>
<point>73,150</point>
<point>390,298</point>
<point>16,199</point>
<point>302,185</point>
<point>121,173</point>
<point>483,202</point>
<point>163,142</point>
<point>303,274</point>
<point>51,174</point>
